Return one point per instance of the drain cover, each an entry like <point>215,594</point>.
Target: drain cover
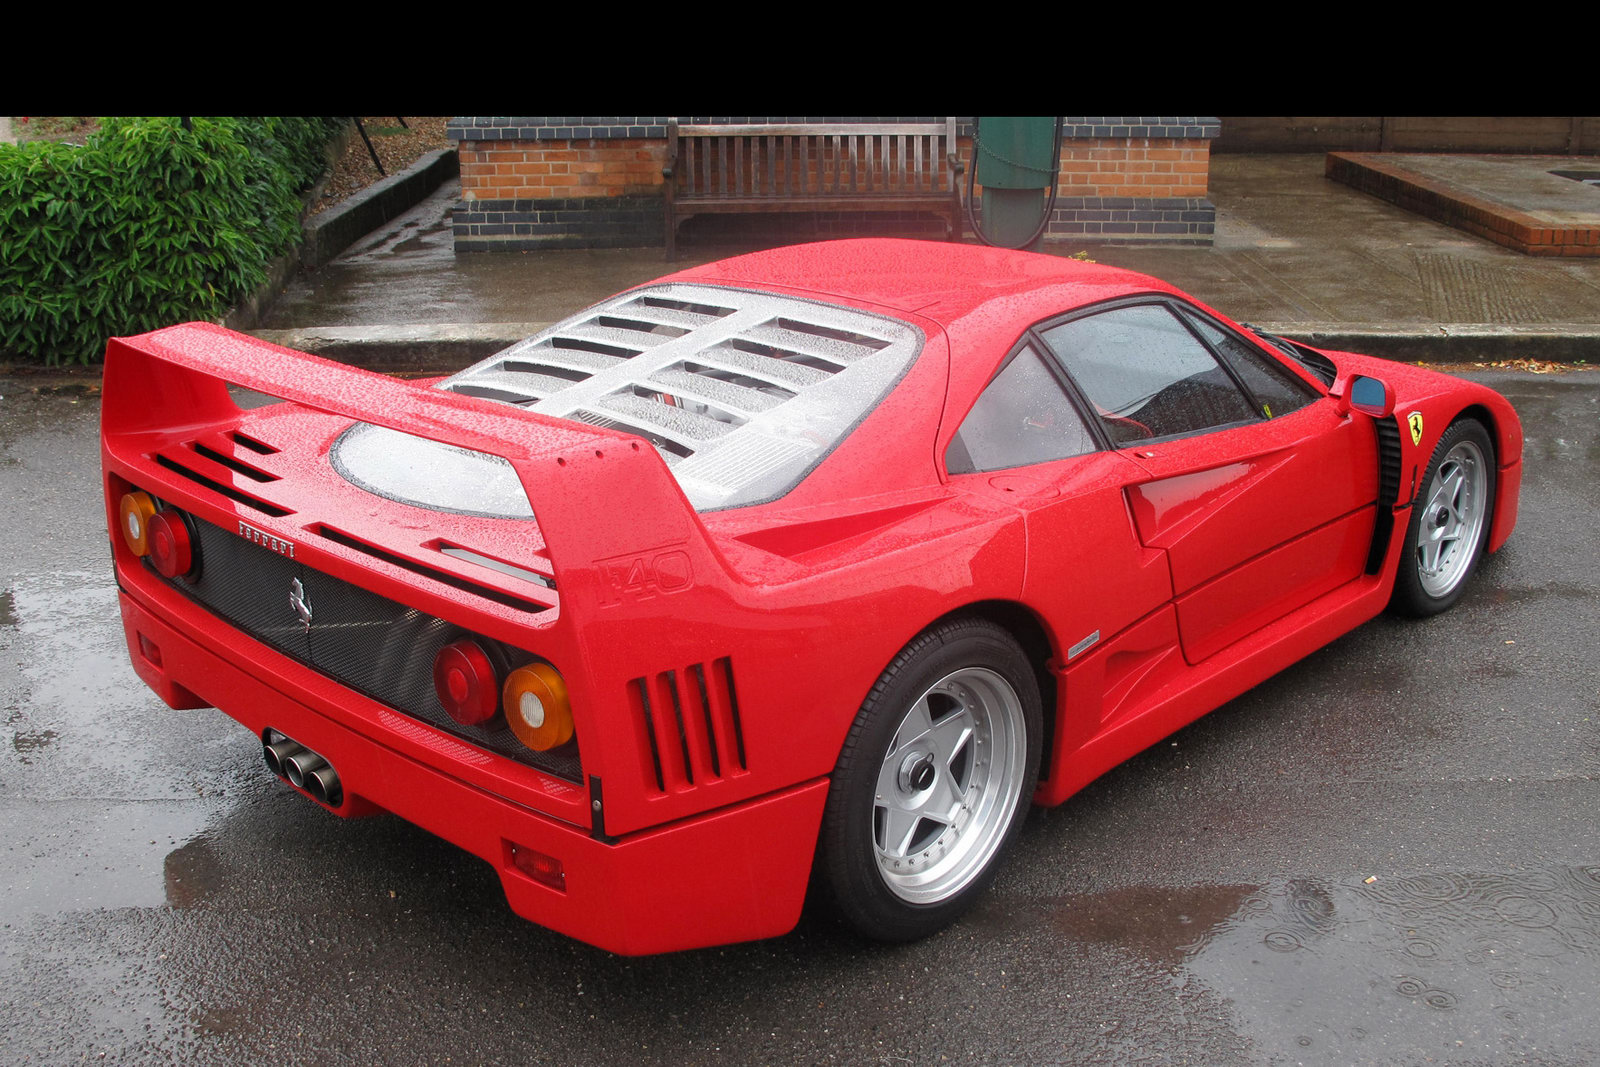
<point>1587,177</point>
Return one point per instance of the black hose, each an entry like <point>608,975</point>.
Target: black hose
<point>1050,205</point>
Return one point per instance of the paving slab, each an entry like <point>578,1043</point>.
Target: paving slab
<point>1295,253</point>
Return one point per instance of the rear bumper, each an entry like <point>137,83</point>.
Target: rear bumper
<point>735,874</point>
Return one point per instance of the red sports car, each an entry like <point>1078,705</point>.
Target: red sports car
<point>809,568</point>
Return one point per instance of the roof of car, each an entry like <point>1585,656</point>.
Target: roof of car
<point>938,280</point>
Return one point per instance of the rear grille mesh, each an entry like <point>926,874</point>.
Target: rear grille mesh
<point>358,638</point>
<point>689,723</point>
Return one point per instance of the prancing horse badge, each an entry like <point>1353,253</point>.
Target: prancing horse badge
<point>1415,421</point>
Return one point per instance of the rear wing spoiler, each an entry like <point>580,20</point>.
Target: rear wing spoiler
<point>599,496</point>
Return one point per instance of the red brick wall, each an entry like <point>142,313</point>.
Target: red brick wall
<point>1161,169</point>
<point>530,170</point>
<point>533,170</point>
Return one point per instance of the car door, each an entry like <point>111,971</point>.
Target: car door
<point>1027,443</point>
<point>1257,490</point>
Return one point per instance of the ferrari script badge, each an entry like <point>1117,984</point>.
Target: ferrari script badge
<point>301,604</point>
<point>1415,421</point>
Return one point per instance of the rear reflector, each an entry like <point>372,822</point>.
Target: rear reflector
<point>149,650</point>
<point>546,870</point>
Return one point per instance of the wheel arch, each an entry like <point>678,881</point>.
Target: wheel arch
<point>1038,645</point>
<point>1506,434</point>
<point>1482,414</point>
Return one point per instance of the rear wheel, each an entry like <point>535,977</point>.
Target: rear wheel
<point>932,782</point>
<point>1449,524</point>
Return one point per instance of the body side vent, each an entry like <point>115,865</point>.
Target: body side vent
<point>689,725</point>
<point>1388,432</point>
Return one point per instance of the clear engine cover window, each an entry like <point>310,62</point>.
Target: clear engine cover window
<point>741,392</point>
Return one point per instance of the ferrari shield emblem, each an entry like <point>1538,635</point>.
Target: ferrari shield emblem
<point>1415,421</point>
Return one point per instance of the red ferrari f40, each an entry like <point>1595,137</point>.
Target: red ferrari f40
<point>808,569</point>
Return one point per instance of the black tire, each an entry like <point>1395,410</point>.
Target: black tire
<point>917,819</point>
<point>1449,525</point>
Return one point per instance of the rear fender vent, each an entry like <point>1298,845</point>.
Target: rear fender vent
<point>260,448</point>
<point>339,537</point>
<point>188,471</point>
<point>253,473</point>
<point>689,726</point>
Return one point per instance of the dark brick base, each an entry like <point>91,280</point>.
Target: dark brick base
<point>590,222</point>
<point>636,222</point>
<point>1123,220</point>
<point>795,226</point>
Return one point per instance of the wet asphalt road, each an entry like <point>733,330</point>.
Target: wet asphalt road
<point>165,898</point>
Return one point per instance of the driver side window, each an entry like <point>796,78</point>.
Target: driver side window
<point>1147,375</point>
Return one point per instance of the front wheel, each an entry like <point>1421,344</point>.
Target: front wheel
<point>1449,521</point>
<point>932,782</point>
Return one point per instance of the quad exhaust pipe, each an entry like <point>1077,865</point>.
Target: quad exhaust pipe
<point>303,768</point>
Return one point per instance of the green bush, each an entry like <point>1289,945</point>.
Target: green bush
<point>146,225</point>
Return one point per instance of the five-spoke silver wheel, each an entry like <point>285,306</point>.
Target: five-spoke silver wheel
<point>1454,507</point>
<point>949,786</point>
<point>932,780</point>
<point>1449,526</point>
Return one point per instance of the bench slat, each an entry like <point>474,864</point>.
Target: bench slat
<point>826,129</point>
<point>841,167</point>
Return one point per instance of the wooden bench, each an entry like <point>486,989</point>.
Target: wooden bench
<point>752,169</point>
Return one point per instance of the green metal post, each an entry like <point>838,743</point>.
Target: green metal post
<point>1013,157</point>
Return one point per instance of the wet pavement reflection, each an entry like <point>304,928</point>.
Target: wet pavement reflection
<point>1340,973</point>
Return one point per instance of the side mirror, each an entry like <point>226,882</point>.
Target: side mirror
<point>1369,396</point>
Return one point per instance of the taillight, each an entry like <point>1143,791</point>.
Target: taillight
<point>466,682</point>
<point>537,708</point>
<point>170,545</point>
<point>136,509</point>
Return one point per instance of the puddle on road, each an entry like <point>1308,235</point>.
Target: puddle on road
<point>193,873</point>
<point>1504,595</point>
<point>90,788</point>
<point>1164,924</point>
<point>27,741</point>
<point>79,694</point>
<point>1451,966</point>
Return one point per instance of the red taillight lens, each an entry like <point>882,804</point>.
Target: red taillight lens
<point>537,708</point>
<point>544,869</point>
<point>170,547</point>
<point>466,683</point>
<point>136,509</point>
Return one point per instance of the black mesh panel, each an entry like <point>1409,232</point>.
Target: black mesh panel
<point>368,642</point>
